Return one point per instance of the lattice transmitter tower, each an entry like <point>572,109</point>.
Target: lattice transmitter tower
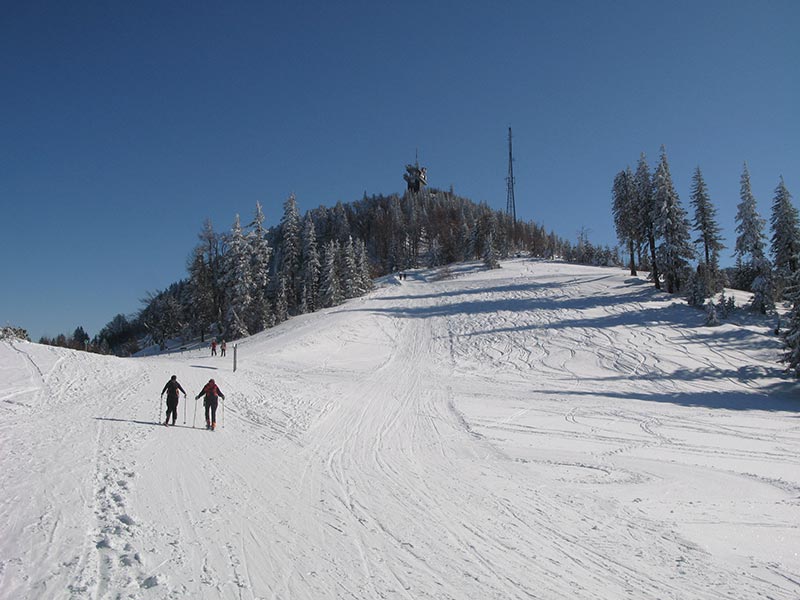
<point>511,209</point>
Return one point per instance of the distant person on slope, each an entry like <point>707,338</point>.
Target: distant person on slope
<point>212,394</point>
<point>172,388</point>
<point>213,347</point>
<point>222,347</point>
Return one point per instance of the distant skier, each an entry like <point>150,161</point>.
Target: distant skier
<point>222,347</point>
<point>172,388</point>
<point>212,394</point>
<point>213,347</point>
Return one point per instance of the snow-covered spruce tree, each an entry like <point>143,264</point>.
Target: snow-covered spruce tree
<point>708,230</point>
<point>281,301</point>
<point>712,319</point>
<point>490,256</point>
<point>791,335</point>
<point>10,332</point>
<point>235,326</point>
<point>309,266</point>
<point>340,224</point>
<point>330,292</point>
<point>697,288</point>
<point>626,217</point>
<point>423,246</point>
<point>763,286</point>
<point>408,259</point>
<point>260,255</point>
<point>749,249</point>
<point>434,258</point>
<point>672,225</point>
<point>238,283</point>
<point>645,205</point>
<point>725,305</point>
<point>304,298</point>
<point>396,233</point>
<point>785,238</point>
<point>364,275</point>
<point>483,228</point>
<point>349,277</point>
<point>462,245</point>
<point>288,252</point>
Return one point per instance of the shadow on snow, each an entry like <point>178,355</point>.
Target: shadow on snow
<point>781,397</point>
<point>148,423</point>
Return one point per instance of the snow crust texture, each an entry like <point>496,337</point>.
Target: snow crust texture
<point>537,431</point>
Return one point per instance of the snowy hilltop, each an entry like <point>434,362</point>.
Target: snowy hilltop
<point>542,430</point>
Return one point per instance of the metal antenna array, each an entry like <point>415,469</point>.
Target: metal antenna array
<point>511,208</point>
<point>415,176</point>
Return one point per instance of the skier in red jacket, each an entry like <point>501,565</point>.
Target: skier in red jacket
<point>212,394</point>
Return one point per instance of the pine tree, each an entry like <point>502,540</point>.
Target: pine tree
<point>281,300</point>
<point>785,238</point>
<point>260,252</point>
<point>749,250</point>
<point>349,277</point>
<point>340,224</point>
<point>712,319</point>
<point>461,242</point>
<point>626,218</point>
<point>671,223</point>
<point>708,230</point>
<point>490,259</point>
<point>80,339</point>
<point>330,293</point>
<point>791,336</point>
<point>697,289</point>
<point>763,286</point>
<point>214,250</point>
<point>239,283</point>
<point>434,258</point>
<point>645,205</point>
<point>201,295</point>
<point>288,252</point>
<point>310,266</point>
<point>726,305</point>
<point>235,325</point>
<point>364,275</point>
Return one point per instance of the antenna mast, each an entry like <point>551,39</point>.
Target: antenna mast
<point>511,209</point>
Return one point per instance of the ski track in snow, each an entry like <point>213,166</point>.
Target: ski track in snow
<point>538,431</point>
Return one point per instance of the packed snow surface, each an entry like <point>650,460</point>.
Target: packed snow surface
<point>538,431</point>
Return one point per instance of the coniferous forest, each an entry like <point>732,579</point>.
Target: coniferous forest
<point>656,233</point>
<point>250,276</point>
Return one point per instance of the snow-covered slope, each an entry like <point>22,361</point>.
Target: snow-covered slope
<point>538,431</point>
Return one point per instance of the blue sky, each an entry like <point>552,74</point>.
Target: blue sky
<point>125,125</point>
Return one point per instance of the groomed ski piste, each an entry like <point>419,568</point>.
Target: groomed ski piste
<point>542,430</point>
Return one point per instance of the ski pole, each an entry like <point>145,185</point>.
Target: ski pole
<point>160,407</point>
<point>194,420</point>
<point>184,409</point>
<point>223,412</point>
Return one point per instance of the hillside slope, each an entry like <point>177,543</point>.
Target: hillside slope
<point>538,431</point>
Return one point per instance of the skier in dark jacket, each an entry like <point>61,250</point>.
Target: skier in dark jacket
<point>212,394</point>
<point>172,388</point>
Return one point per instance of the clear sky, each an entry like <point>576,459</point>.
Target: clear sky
<point>124,125</point>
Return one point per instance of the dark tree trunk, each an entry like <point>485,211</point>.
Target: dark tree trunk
<point>654,266</point>
<point>631,248</point>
